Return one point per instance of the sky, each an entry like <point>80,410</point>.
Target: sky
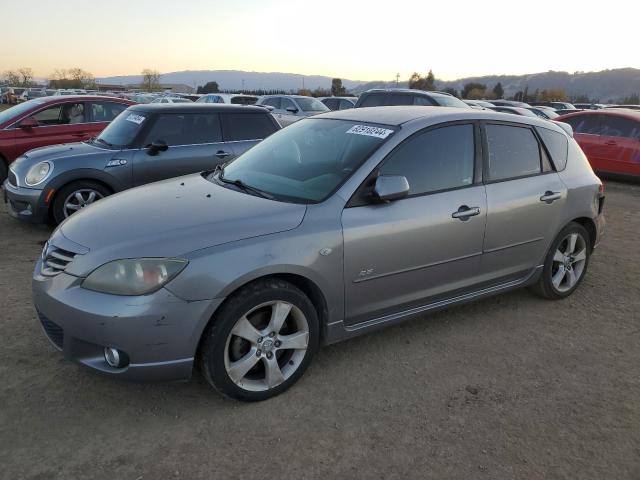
<point>354,39</point>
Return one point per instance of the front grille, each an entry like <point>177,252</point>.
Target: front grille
<point>55,260</point>
<point>12,179</point>
<point>53,331</point>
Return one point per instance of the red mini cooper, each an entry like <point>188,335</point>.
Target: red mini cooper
<point>52,120</point>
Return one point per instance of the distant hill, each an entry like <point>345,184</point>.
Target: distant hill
<point>604,86</point>
<point>237,79</point>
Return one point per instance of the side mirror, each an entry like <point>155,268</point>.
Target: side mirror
<point>292,110</point>
<point>390,187</point>
<point>157,146</point>
<point>28,122</point>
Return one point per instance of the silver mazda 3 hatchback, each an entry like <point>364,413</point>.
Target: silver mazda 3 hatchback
<point>332,227</point>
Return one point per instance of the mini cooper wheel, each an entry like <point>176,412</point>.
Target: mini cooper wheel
<point>261,341</point>
<point>75,197</point>
<point>566,263</point>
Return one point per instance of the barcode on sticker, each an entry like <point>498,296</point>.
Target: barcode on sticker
<point>135,118</point>
<point>370,131</point>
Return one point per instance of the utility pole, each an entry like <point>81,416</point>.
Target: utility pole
<point>397,79</point>
<point>303,82</point>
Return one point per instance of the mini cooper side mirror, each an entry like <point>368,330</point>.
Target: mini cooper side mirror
<point>157,146</point>
<point>390,187</point>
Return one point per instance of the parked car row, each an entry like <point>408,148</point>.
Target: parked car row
<point>339,224</point>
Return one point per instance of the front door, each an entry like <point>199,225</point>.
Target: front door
<point>194,143</point>
<point>525,199</point>
<point>424,247</point>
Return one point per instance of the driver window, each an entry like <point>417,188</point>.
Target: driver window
<point>287,103</point>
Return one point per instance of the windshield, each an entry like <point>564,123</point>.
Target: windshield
<point>123,129</point>
<point>308,104</point>
<point>447,101</point>
<point>16,111</point>
<point>308,160</point>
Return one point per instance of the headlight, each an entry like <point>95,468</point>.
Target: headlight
<point>38,173</point>
<point>136,276</point>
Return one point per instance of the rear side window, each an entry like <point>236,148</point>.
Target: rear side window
<point>247,126</point>
<point>345,104</point>
<point>185,129</point>
<point>557,146</point>
<point>106,111</point>
<point>401,99</point>
<point>513,152</point>
<point>589,124</point>
<point>332,103</point>
<point>420,100</point>
<point>613,126</point>
<point>435,160</point>
<point>373,100</point>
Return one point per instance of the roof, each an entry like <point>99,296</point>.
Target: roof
<point>408,90</point>
<point>83,98</point>
<point>613,112</point>
<point>198,107</point>
<point>398,115</point>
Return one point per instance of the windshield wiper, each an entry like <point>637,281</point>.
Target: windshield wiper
<point>239,183</point>
<point>98,139</point>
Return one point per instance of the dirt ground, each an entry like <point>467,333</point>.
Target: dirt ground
<point>510,387</point>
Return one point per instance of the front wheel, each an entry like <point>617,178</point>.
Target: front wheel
<point>76,196</point>
<point>566,263</point>
<point>261,341</point>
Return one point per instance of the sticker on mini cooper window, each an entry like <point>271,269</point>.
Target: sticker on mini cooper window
<point>135,118</point>
<point>369,131</point>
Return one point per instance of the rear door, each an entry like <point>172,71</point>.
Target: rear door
<point>413,251</point>
<point>587,131</point>
<point>241,131</point>
<point>59,123</point>
<point>525,199</point>
<point>620,145</point>
<point>194,140</point>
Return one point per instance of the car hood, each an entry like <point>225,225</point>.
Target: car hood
<point>65,150</point>
<point>170,219</point>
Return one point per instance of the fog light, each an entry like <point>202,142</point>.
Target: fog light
<point>113,357</point>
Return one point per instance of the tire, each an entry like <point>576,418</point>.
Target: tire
<point>239,359</point>
<point>4,170</point>
<point>558,264</point>
<point>86,188</point>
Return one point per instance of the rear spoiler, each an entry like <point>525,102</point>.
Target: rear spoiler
<point>565,126</point>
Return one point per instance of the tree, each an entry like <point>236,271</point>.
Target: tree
<point>337,90</point>
<point>498,91</point>
<point>26,76</point>
<point>478,90</point>
<point>150,80</point>
<point>209,87</point>
<point>71,78</point>
<point>552,94</point>
<point>11,77</point>
<point>422,83</point>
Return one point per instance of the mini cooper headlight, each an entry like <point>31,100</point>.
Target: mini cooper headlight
<point>38,173</point>
<point>135,276</point>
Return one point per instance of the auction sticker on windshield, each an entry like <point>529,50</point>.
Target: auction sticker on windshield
<point>370,131</point>
<point>135,118</point>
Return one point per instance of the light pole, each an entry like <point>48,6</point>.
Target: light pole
<point>397,79</point>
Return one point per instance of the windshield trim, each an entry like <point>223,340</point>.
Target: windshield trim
<point>306,201</point>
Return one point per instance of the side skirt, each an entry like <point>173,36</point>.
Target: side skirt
<point>338,331</point>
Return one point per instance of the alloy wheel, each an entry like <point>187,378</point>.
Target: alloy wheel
<point>266,346</point>
<point>80,199</point>
<point>569,261</point>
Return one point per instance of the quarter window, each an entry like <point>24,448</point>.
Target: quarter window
<point>434,160</point>
<point>513,152</point>
<point>247,126</point>
<point>557,146</point>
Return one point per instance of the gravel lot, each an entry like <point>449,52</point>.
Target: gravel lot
<point>510,387</point>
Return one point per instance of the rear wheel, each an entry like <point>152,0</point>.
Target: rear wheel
<point>261,341</point>
<point>566,263</point>
<point>75,197</point>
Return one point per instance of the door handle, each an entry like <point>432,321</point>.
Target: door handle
<point>222,154</point>
<point>464,212</point>
<point>550,196</point>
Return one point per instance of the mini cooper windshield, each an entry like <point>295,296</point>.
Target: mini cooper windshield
<point>121,132</point>
<point>306,161</point>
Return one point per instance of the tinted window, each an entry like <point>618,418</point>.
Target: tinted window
<point>401,99</point>
<point>241,100</point>
<point>308,104</point>
<point>618,126</point>
<point>420,100</point>
<point>287,103</point>
<point>373,100</point>
<point>345,104</point>
<point>448,101</point>
<point>513,152</point>
<point>107,111</point>
<point>67,113</point>
<point>247,126</point>
<point>557,146</point>
<point>332,103</point>
<point>434,160</point>
<point>585,124</point>
<point>272,102</point>
<point>185,129</point>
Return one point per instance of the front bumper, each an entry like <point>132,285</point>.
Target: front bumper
<point>25,203</point>
<point>158,332</point>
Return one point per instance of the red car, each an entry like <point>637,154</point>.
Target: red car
<point>609,138</point>
<point>52,120</point>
